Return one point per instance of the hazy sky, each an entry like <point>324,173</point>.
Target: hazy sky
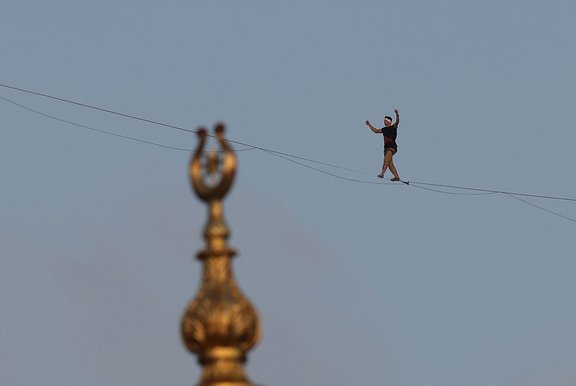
<point>356,284</point>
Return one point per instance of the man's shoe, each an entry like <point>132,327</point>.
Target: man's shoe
<point>380,176</point>
<point>395,179</point>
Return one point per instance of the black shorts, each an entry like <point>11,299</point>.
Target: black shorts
<point>395,149</point>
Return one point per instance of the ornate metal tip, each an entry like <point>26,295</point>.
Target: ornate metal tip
<point>220,325</point>
<point>219,129</point>
<point>221,167</point>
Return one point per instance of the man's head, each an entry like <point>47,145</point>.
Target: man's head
<point>387,121</point>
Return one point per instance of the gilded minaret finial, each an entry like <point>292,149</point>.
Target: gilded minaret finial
<point>219,325</point>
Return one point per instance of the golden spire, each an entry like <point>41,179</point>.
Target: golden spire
<point>219,325</point>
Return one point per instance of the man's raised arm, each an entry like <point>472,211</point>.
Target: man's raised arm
<point>377,131</point>
<point>397,117</point>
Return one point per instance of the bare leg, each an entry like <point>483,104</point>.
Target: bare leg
<point>384,166</point>
<point>388,162</point>
<point>393,169</point>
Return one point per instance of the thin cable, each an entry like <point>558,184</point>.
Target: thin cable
<point>279,153</point>
<point>275,154</point>
<point>495,191</point>
<point>453,193</point>
<point>93,128</point>
<point>98,108</point>
<point>284,155</point>
<point>85,105</point>
<point>541,208</point>
<point>99,130</point>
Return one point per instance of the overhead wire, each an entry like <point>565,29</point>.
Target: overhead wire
<point>299,160</point>
<point>482,192</point>
<point>175,127</point>
<point>92,107</point>
<point>328,173</point>
<point>453,193</point>
<point>541,208</point>
<point>285,156</point>
<point>494,191</point>
<point>92,128</point>
<point>512,195</point>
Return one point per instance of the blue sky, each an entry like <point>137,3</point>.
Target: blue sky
<point>355,283</point>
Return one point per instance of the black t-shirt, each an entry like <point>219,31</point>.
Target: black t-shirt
<point>389,134</point>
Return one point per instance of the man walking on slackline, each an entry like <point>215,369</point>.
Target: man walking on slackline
<point>389,132</point>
